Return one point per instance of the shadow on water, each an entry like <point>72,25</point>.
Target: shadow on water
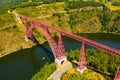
<point>48,52</point>
<point>23,64</point>
<point>34,60</point>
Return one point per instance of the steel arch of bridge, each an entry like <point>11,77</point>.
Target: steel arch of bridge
<point>58,48</point>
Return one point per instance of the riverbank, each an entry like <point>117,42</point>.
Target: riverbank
<point>13,41</point>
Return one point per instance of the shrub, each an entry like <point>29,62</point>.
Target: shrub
<point>80,4</point>
<point>45,72</point>
<point>116,3</point>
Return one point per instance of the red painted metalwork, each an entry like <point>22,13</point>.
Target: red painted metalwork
<point>82,60</point>
<point>61,48</point>
<point>76,37</point>
<point>117,76</point>
<point>58,50</point>
<point>51,42</point>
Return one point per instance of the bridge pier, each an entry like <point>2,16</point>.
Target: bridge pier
<point>61,51</point>
<point>60,61</point>
<point>117,76</point>
<point>82,60</point>
<point>57,48</point>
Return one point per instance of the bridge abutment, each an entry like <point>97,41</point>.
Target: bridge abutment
<point>58,62</point>
<point>82,70</point>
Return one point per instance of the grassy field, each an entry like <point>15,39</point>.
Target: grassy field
<point>7,20</point>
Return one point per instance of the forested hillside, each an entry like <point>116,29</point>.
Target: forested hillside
<point>92,17</point>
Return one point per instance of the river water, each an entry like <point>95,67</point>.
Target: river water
<point>23,64</point>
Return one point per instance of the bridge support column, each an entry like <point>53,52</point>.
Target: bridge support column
<point>57,48</point>
<point>82,61</point>
<point>29,31</point>
<point>61,50</point>
<point>117,76</point>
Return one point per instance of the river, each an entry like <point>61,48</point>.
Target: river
<point>23,64</point>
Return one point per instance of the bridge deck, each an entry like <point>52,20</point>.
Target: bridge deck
<point>76,37</point>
